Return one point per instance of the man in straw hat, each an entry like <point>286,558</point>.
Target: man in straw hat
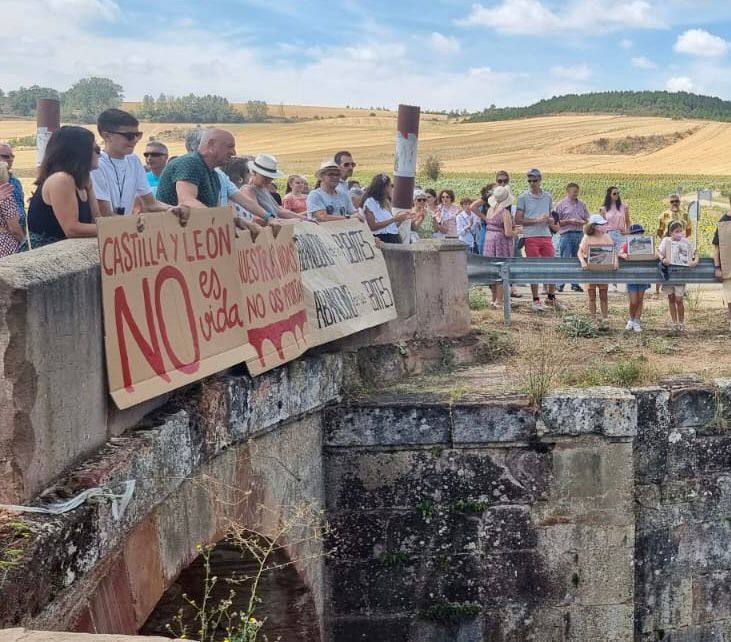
<point>327,203</point>
<point>264,169</point>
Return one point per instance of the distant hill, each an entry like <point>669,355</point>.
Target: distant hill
<point>635,103</point>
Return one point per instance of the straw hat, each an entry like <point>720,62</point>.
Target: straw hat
<point>265,165</point>
<point>500,195</point>
<point>326,165</point>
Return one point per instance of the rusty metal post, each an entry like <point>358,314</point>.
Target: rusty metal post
<point>48,120</point>
<point>404,170</point>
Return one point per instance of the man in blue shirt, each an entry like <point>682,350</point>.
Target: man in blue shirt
<point>156,157</point>
<point>7,156</point>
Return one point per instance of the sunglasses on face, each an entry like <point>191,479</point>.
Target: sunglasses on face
<point>502,181</point>
<point>420,200</point>
<point>154,154</point>
<point>446,198</point>
<point>674,202</point>
<point>130,136</point>
<point>533,180</point>
<point>351,164</point>
<point>615,193</point>
<point>7,156</point>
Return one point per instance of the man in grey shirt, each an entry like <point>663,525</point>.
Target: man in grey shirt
<point>533,212</point>
<point>327,202</point>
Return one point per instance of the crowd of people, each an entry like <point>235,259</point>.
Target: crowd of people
<point>78,181</point>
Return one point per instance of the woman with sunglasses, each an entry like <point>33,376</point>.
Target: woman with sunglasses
<point>64,204</point>
<point>377,210</point>
<point>423,218</point>
<point>617,214</point>
<point>446,214</point>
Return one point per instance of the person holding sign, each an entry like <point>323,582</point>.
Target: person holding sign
<point>676,235</point>
<point>723,270</point>
<point>377,210</point>
<point>635,291</point>
<point>594,234</point>
<point>327,202</point>
<point>119,177</point>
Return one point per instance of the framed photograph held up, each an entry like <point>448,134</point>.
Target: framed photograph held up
<point>601,257</point>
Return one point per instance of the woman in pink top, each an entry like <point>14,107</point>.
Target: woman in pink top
<point>446,214</point>
<point>617,215</point>
<point>295,199</point>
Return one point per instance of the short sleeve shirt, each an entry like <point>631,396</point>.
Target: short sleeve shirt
<point>118,181</point>
<point>566,209</point>
<point>533,207</point>
<point>190,168</point>
<point>381,214</point>
<point>337,204</point>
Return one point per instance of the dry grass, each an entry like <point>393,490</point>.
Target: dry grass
<point>547,357</point>
<point>468,147</point>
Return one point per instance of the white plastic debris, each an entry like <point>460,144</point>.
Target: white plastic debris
<point>120,500</point>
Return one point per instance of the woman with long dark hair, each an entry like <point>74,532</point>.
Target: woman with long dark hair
<point>377,209</point>
<point>64,205</point>
<point>617,215</point>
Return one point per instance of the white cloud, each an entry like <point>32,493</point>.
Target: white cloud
<point>85,9</point>
<point>588,16</point>
<point>574,73</point>
<point>626,43</point>
<point>641,62</point>
<point>679,83</point>
<point>444,44</point>
<point>186,22</point>
<point>698,42</point>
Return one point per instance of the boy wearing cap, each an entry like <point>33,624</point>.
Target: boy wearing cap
<point>534,214</point>
<point>635,291</point>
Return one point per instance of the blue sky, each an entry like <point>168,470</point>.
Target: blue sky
<point>444,54</point>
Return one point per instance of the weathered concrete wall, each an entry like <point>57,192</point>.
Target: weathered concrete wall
<point>482,521</point>
<point>682,460</point>
<point>54,406</point>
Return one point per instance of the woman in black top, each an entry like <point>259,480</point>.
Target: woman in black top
<point>64,205</point>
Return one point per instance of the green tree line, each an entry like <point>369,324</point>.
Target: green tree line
<point>679,104</point>
<point>88,97</point>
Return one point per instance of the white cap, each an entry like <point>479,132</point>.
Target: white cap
<point>597,219</point>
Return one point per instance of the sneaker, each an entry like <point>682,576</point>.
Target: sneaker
<point>672,328</point>
<point>681,327</point>
<point>604,324</point>
<point>538,306</point>
<point>630,325</point>
<point>576,288</point>
<point>637,327</point>
<point>516,295</point>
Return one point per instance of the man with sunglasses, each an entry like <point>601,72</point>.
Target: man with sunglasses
<point>673,214</point>
<point>7,156</point>
<point>156,157</point>
<point>534,214</point>
<point>120,177</point>
<point>345,162</point>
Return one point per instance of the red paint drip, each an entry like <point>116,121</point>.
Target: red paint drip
<point>274,332</point>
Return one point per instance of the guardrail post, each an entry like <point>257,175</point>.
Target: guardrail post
<point>505,273</point>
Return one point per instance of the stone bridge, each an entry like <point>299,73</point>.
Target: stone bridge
<point>605,514</point>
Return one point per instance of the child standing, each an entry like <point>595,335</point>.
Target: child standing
<point>594,235</point>
<point>675,234</point>
<point>467,223</point>
<point>719,268</point>
<point>635,291</point>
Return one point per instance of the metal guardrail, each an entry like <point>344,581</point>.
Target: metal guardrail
<point>483,270</point>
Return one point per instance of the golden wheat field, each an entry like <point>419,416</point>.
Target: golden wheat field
<point>547,143</point>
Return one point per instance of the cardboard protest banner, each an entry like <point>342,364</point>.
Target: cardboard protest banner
<point>601,257</point>
<point>346,283</point>
<point>273,298</point>
<point>172,301</point>
<point>640,248</point>
<point>724,248</point>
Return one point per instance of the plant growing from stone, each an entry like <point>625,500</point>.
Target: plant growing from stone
<point>544,358</point>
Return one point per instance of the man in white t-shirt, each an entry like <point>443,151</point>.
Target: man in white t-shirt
<point>120,177</point>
